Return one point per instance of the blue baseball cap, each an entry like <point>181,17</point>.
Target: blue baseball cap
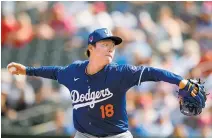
<point>102,34</point>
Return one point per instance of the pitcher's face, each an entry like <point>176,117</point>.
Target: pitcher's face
<point>104,51</point>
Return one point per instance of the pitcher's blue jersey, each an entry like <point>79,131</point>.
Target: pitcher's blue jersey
<point>99,100</point>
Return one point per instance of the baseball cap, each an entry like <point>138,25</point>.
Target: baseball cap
<point>102,34</point>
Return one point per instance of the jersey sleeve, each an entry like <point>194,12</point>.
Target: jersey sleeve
<point>59,73</point>
<point>135,75</point>
<point>156,74</point>
<point>132,75</point>
<point>50,72</point>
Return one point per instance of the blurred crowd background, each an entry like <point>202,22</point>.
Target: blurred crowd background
<point>176,36</point>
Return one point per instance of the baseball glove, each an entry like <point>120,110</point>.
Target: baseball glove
<point>192,98</point>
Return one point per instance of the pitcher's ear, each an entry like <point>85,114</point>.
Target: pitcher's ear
<point>89,47</point>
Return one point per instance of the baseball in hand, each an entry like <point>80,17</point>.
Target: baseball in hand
<point>12,69</point>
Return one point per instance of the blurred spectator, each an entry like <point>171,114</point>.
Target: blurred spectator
<point>8,7</point>
<point>206,132</point>
<point>187,18</point>
<point>205,64</point>
<point>28,5</point>
<point>204,27</point>
<point>122,55</point>
<point>189,11</point>
<point>8,26</point>
<point>163,126</point>
<point>24,27</point>
<point>101,17</point>
<point>148,114</point>
<point>16,94</point>
<point>93,16</point>
<point>162,97</point>
<point>205,119</point>
<point>204,68</point>
<point>179,132</point>
<point>21,94</point>
<point>6,81</point>
<point>42,29</point>
<point>136,129</point>
<point>190,58</point>
<point>131,100</point>
<point>35,82</point>
<point>151,28</point>
<point>118,19</point>
<point>194,73</point>
<point>8,22</point>
<point>3,103</point>
<point>61,128</point>
<point>191,124</point>
<point>40,97</point>
<point>138,51</point>
<point>62,24</point>
<point>123,17</point>
<point>172,28</point>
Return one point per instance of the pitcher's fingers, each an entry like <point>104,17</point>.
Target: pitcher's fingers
<point>196,88</point>
<point>10,65</point>
<point>15,64</point>
<point>15,73</point>
<point>195,91</point>
<point>193,94</point>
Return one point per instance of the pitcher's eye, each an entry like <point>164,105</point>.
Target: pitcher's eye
<point>104,44</point>
<point>108,45</point>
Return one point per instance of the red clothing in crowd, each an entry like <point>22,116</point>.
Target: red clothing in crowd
<point>7,28</point>
<point>14,34</point>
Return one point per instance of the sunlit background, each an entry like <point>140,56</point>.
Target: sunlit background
<point>176,36</point>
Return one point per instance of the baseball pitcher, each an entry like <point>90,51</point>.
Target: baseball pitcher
<point>98,87</point>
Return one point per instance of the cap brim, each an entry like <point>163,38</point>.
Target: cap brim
<point>115,39</point>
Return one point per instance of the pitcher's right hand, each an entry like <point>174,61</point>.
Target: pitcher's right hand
<point>16,68</point>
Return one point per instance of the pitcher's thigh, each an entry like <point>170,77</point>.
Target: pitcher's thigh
<point>81,135</point>
<point>126,134</point>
